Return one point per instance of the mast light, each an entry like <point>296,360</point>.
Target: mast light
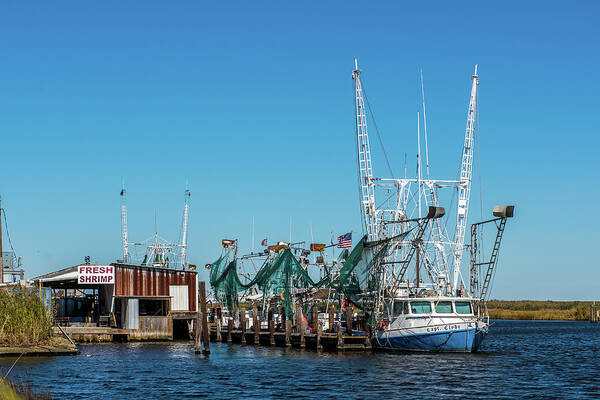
<point>504,211</point>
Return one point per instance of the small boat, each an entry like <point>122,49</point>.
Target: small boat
<point>436,324</point>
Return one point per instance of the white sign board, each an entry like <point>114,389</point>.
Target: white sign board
<point>95,274</point>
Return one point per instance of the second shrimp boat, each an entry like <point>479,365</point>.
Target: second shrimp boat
<point>407,314</point>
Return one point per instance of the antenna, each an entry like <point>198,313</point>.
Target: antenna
<point>184,227</point>
<point>419,160</point>
<point>425,126</point>
<point>124,222</point>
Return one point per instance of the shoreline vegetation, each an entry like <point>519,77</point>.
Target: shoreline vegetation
<point>24,320</point>
<point>539,310</point>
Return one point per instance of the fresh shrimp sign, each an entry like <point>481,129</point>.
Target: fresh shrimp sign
<point>98,274</point>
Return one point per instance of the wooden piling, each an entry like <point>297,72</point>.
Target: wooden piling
<point>319,334</point>
<point>340,338</point>
<point>349,319</point>
<point>218,331</point>
<point>243,325</point>
<point>204,321</point>
<point>229,330</point>
<point>288,333</point>
<point>302,328</point>
<point>271,325</point>
<point>256,325</point>
<point>198,345</point>
<point>315,318</point>
<point>219,325</point>
<point>272,333</point>
<point>368,336</point>
<point>331,327</point>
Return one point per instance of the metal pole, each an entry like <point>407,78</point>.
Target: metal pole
<point>1,259</point>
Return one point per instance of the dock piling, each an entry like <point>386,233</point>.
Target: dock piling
<point>288,333</point>
<point>331,327</point>
<point>349,320</point>
<point>256,325</point>
<point>243,325</point>
<point>198,345</point>
<point>340,338</point>
<point>204,321</point>
<point>229,330</point>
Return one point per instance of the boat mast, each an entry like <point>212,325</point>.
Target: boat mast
<point>124,222</point>
<point>366,186</point>
<point>464,189</point>
<point>184,227</point>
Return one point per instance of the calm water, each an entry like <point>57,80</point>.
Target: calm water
<point>520,359</point>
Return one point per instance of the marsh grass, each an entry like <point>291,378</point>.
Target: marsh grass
<point>20,390</point>
<point>539,310</point>
<point>23,319</point>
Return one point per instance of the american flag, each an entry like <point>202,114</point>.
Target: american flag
<point>345,241</point>
<point>264,242</point>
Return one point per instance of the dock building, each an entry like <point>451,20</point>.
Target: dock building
<point>122,301</point>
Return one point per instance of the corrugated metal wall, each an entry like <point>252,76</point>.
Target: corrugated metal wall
<point>133,280</point>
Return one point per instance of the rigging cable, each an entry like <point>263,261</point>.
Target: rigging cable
<point>377,132</point>
<point>2,211</point>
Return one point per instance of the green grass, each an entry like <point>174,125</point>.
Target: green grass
<point>23,319</point>
<point>10,390</point>
<point>539,310</point>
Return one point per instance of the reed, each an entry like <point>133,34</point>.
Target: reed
<point>10,390</point>
<point>23,319</point>
<point>539,310</point>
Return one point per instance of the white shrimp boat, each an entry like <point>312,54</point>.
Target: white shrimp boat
<point>449,313</point>
<point>436,324</point>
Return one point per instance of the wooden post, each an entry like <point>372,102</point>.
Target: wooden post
<point>331,328</point>
<point>229,329</point>
<point>256,324</point>
<point>204,322</point>
<point>319,333</point>
<point>288,333</point>
<point>297,317</point>
<point>368,336</point>
<point>219,324</point>
<point>315,318</point>
<point>243,325</point>
<point>303,325</point>
<point>219,338</point>
<point>349,319</point>
<point>340,339</point>
<point>271,323</point>
<point>198,345</point>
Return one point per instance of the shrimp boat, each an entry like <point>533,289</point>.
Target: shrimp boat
<point>405,247</point>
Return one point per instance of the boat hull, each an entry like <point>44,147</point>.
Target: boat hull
<point>462,337</point>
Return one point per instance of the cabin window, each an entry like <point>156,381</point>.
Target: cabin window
<point>462,307</point>
<point>420,307</point>
<point>443,307</point>
<point>398,307</point>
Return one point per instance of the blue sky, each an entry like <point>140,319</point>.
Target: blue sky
<point>253,103</point>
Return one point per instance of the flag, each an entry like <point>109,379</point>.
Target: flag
<point>345,241</point>
<point>264,242</point>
